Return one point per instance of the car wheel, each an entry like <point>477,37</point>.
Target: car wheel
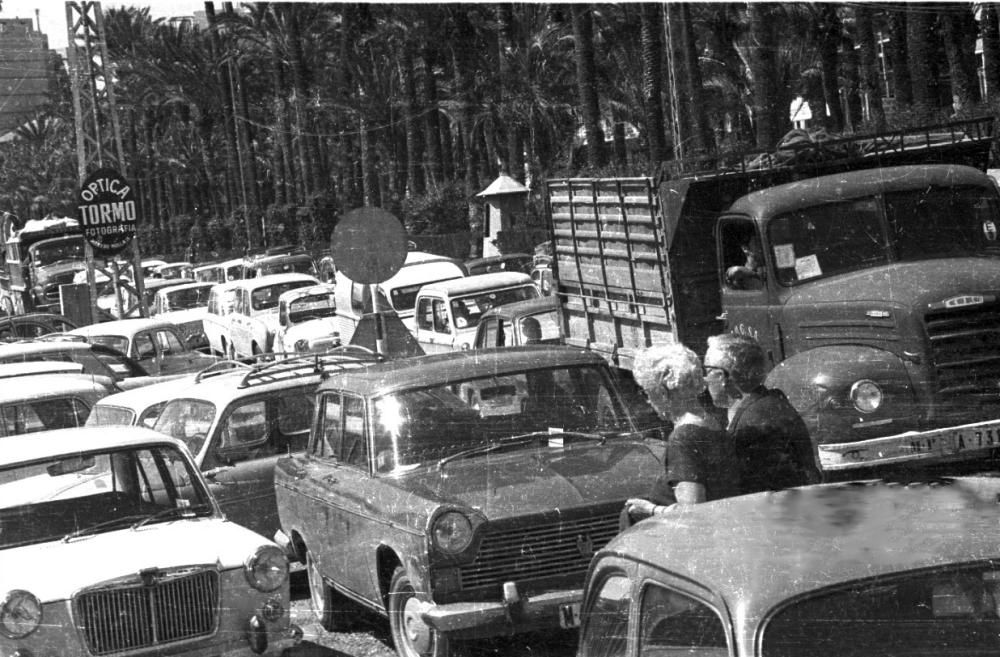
<point>411,636</point>
<point>333,610</point>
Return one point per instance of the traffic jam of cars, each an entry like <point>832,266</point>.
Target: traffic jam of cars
<point>567,446</point>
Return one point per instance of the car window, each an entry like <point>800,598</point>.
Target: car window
<point>506,333</point>
<point>266,298</point>
<point>295,412</point>
<point>332,426</point>
<point>142,347</point>
<point>441,323</point>
<point>168,343</point>
<point>354,450</point>
<point>671,622</point>
<point>424,315</point>
<point>114,341</point>
<point>43,415</point>
<point>148,417</point>
<point>110,416</point>
<point>243,431</point>
<point>605,632</point>
<point>549,324</point>
<point>188,420</point>
<point>468,309</point>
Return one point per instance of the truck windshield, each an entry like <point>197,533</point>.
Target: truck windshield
<point>48,253</point>
<point>906,226</point>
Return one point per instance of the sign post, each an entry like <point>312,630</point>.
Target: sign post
<point>369,245</point>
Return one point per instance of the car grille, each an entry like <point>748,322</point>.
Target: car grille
<point>523,553</point>
<point>965,351</point>
<point>181,605</point>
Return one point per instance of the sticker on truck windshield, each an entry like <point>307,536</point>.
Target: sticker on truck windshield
<point>784,256</point>
<point>807,267</point>
<point>990,230</point>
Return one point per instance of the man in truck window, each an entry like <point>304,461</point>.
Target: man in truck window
<point>772,442</point>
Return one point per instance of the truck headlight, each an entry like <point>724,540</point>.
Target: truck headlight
<point>20,614</point>
<point>866,395</point>
<point>452,532</point>
<point>267,568</point>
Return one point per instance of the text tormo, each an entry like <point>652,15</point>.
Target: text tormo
<point>107,213</point>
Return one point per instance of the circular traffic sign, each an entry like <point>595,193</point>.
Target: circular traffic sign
<point>107,210</point>
<point>369,245</point>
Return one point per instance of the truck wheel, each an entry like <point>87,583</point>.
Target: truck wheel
<point>411,636</point>
<point>333,610</point>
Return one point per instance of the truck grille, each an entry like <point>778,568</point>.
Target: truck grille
<point>53,283</point>
<point>557,547</point>
<point>965,351</point>
<point>180,606</point>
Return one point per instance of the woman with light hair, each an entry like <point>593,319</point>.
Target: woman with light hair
<point>701,463</point>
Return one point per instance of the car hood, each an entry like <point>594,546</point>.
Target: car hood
<point>910,284</point>
<point>56,570</point>
<point>533,480</point>
<point>178,317</point>
<point>314,328</point>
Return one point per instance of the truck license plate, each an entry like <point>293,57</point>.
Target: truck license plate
<point>569,615</point>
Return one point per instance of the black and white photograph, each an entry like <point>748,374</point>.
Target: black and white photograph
<point>480,329</point>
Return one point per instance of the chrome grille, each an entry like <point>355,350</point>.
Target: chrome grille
<point>181,605</point>
<point>965,350</point>
<point>557,547</point>
<point>53,282</point>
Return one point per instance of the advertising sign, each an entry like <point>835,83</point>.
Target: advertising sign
<point>107,211</point>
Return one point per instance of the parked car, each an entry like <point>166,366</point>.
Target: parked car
<point>448,312</point>
<point>97,360</point>
<point>221,303</point>
<point>236,420</point>
<point>862,568</point>
<point>185,306</point>
<point>515,262</point>
<point>463,494</point>
<point>174,270</point>
<point>106,296</point>
<point>398,294</point>
<point>149,266</point>
<point>306,320</point>
<point>33,325</point>
<point>42,395</point>
<point>254,319</point>
<point>155,344</point>
<point>220,272</point>
<point>504,326</point>
<point>112,544</point>
<point>274,262</point>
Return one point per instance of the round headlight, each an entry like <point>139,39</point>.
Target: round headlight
<point>20,614</point>
<point>267,568</point>
<point>866,395</point>
<point>452,532</point>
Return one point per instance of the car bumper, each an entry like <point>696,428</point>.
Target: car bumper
<point>967,442</point>
<point>547,610</point>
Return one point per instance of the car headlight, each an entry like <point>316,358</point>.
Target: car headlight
<point>267,568</point>
<point>866,395</point>
<point>20,614</point>
<point>452,532</point>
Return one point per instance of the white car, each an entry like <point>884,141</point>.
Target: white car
<point>254,319</point>
<point>306,320</point>
<point>221,303</point>
<point>220,272</point>
<point>185,306</point>
<point>110,543</point>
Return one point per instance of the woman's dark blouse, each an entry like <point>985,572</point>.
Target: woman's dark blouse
<point>702,455</point>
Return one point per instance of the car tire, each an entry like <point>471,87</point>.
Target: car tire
<point>411,636</point>
<point>333,611</point>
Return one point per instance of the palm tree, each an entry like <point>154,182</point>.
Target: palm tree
<point>958,30</point>
<point>583,41</point>
<point>871,85</point>
<point>764,70</point>
<point>990,27</point>
<point>652,88</point>
<point>919,33</point>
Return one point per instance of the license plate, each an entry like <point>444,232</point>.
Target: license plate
<point>569,615</point>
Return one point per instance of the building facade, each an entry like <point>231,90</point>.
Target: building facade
<point>25,71</point>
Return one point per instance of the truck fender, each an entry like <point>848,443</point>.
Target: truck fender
<point>818,383</point>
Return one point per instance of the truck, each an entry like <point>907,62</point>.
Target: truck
<point>867,267</point>
<point>38,258</point>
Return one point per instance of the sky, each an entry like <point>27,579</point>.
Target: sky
<point>52,14</point>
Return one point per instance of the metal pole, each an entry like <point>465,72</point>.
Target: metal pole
<point>379,329</point>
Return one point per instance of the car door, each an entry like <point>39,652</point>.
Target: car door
<point>239,322</point>
<point>144,352</point>
<point>175,357</point>
<point>438,337</point>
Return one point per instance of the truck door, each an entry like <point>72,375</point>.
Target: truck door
<point>746,303</point>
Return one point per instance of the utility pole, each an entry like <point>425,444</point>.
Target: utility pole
<point>98,134</point>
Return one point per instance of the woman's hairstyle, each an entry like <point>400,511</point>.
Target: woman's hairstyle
<point>672,366</point>
<point>743,357</point>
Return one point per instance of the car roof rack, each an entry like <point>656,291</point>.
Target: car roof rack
<point>220,367</point>
<point>302,365</point>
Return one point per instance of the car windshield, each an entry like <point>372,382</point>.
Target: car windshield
<point>427,424</point>
<point>299,265</point>
<point>835,238</point>
<point>404,297</point>
<point>311,307</point>
<point>42,414</point>
<point>188,420</point>
<point>266,298</point>
<point>72,496</point>
<point>117,342</point>
<point>110,416</point>
<point>469,309</point>
<point>48,253</point>
<point>187,298</point>
<point>210,275</point>
<point>953,611</point>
